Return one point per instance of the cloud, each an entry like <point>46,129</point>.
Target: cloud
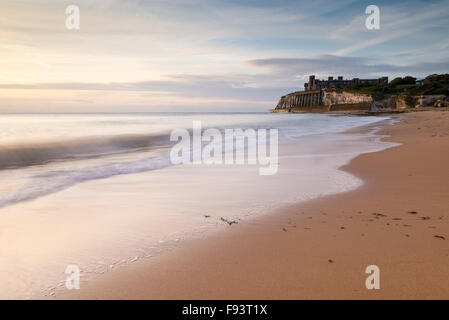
<point>207,52</point>
<point>323,65</point>
<point>204,86</point>
<point>396,21</point>
<point>259,90</point>
<point>181,91</point>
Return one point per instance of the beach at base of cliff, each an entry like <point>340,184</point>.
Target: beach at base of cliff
<point>398,220</point>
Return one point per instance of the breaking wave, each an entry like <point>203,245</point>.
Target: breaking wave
<point>24,155</point>
<point>54,181</point>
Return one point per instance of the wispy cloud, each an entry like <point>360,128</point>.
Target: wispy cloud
<point>206,52</point>
<point>323,65</point>
<point>396,22</point>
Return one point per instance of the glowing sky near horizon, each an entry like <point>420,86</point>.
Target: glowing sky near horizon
<point>214,55</point>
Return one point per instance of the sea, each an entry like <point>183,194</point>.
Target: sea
<point>99,191</point>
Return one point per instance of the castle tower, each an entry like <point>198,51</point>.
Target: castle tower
<point>312,84</point>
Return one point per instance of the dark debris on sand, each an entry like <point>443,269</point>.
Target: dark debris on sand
<point>229,222</point>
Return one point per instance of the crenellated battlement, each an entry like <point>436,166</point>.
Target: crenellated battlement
<point>316,84</point>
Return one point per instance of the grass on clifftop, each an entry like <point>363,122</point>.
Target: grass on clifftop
<point>433,84</point>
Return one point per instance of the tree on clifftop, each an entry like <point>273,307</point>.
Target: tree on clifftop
<point>405,80</point>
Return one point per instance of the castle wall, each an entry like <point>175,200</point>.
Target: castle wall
<point>313,100</point>
<point>341,98</point>
<point>301,99</point>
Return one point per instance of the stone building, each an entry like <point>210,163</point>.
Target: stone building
<point>317,98</point>
<point>317,84</point>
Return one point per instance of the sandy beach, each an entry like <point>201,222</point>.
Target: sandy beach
<point>224,150</point>
<point>105,213</point>
<point>398,220</point>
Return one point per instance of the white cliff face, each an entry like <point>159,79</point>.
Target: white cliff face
<point>324,100</point>
<point>399,102</point>
<point>283,103</point>
<point>332,98</point>
<point>430,100</point>
<point>387,103</point>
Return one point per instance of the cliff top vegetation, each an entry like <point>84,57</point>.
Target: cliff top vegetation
<point>408,86</point>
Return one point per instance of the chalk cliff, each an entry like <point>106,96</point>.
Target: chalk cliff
<point>367,94</point>
<point>340,100</point>
<point>323,100</point>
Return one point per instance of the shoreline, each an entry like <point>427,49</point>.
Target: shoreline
<point>104,225</point>
<point>285,255</point>
<point>361,112</point>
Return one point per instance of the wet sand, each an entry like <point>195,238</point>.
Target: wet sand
<point>104,225</point>
<point>398,220</point>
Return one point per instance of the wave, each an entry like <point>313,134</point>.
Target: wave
<point>81,148</point>
<point>45,180</point>
<point>53,181</point>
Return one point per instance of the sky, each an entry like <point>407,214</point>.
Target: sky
<point>205,55</point>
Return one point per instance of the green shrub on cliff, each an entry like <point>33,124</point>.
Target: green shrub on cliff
<point>431,88</point>
<point>403,81</point>
<point>432,85</point>
<point>410,101</point>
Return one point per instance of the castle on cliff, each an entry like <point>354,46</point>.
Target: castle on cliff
<point>318,96</point>
<point>360,95</point>
<point>316,84</point>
